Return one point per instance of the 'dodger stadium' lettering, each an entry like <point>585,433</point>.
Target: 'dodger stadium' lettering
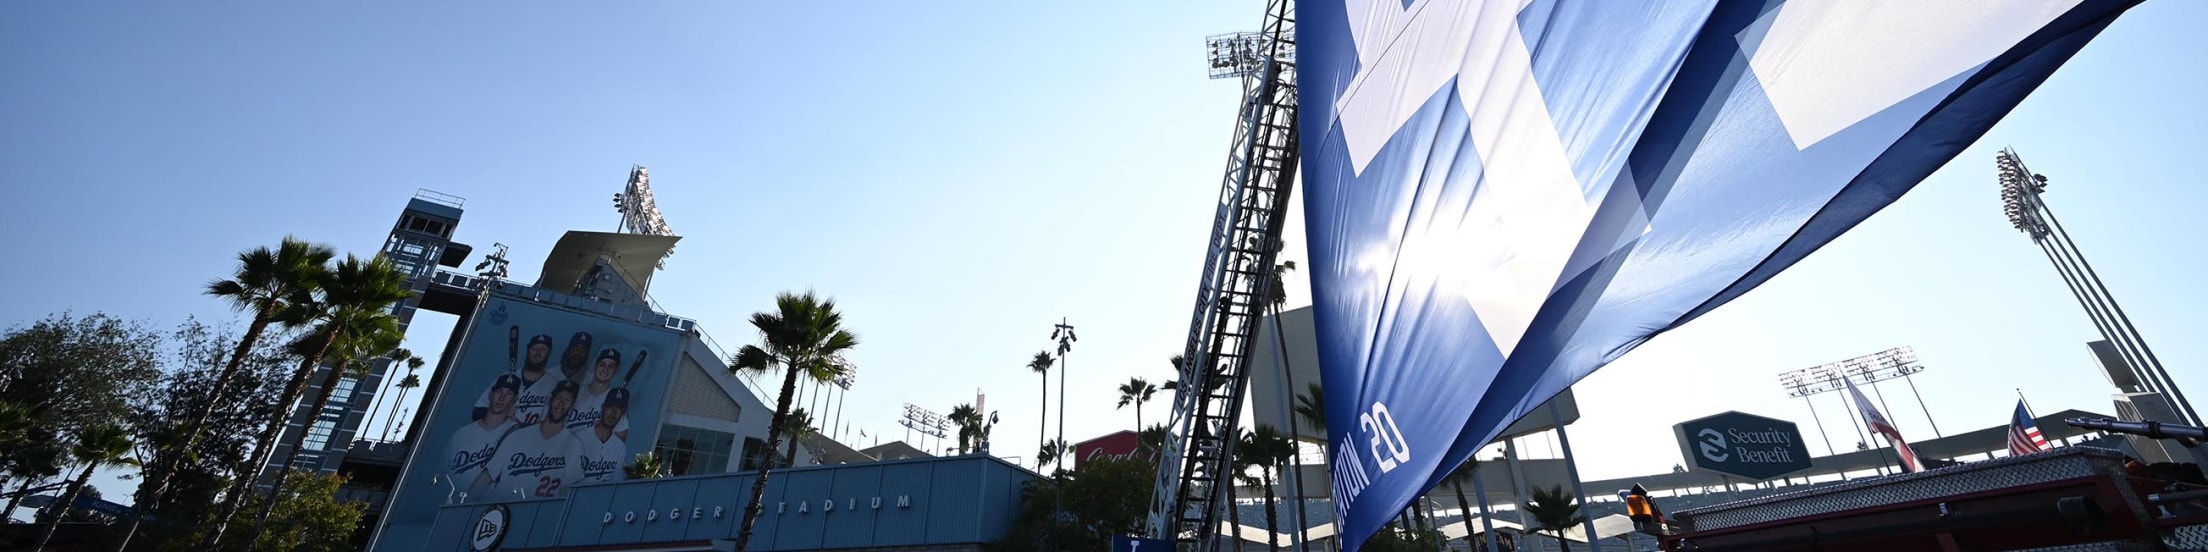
<point>1504,196</point>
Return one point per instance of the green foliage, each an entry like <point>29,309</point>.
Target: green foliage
<point>1311,408</point>
<point>973,427</point>
<point>646,466</point>
<point>1390,539</point>
<point>308,517</point>
<point>199,354</point>
<point>1553,511</point>
<point>804,334</point>
<point>1079,510</point>
<point>1135,392</point>
<point>68,373</point>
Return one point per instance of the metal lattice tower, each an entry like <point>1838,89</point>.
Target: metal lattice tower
<point>1195,470</point>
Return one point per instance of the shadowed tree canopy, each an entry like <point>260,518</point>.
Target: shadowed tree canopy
<point>1103,497</point>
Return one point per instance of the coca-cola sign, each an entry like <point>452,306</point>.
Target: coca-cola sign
<point>1122,445</point>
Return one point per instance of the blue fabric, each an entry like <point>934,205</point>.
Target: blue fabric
<point>1470,260</point>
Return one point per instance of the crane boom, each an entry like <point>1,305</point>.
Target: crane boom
<point>1195,469</point>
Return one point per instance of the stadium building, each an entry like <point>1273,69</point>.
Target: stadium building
<point>546,391</point>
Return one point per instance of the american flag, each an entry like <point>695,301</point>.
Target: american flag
<point>2024,437</point>
<point>1879,424</point>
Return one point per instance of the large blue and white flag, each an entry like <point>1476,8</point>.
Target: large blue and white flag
<point>1504,195</point>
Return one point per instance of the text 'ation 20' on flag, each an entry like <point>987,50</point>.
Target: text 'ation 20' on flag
<point>1505,195</point>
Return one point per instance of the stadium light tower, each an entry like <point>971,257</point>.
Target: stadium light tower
<point>2020,200</point>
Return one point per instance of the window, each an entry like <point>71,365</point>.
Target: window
<point>416,223</point>
<point>689,450</point>
<point>755,453</point>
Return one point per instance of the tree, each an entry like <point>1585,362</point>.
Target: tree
<point>804,334</point>
<point>1136,391</point>
<point>68,374</point>
<point>307,516</point>
<point>1102,498</point>
<point>409,382</point>
<point>969,424</point>
<point>267,283</point>
<point>646,466</point>
<point>1053,452</point>
<point>399,357</point>
<point>1311,408</point>
<point>1268,449</point>
<point>1393,540</point>
<point>96,446</point>
<point>199,356</point>
<point>1553,511</point>
<point>1468,471</point>
<point>353,318</point>
<point>71,514</point>
<point>1040,364</point>
<point>797,425</point>
<point>1153,439</point>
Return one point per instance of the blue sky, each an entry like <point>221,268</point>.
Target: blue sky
<point>962,176</point>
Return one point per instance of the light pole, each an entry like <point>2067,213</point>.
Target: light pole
<point>2020,199</point>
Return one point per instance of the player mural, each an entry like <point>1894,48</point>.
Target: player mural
<point>522,420</point>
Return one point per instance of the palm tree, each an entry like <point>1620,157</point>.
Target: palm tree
<point>1054,452</point>
<point>1268,450</point>
<point>646,466</point>
<point>1553,511</point>
<point>797,425</point>
<point>1241,464</point>
<point>354,320</point>
<point>1136,391</point>
<point>969,423</point>
<point>1153,438</point>
<point>803,334</point>
<point>100,445</point>
<point>1040,364</point>
<point>267,283</point>
<point>398,357</point>
<point>409,382</point>
<point>1311,408</point>
<point>1469,471</point>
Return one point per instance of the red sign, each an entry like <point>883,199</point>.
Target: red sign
<point>1122,445</point>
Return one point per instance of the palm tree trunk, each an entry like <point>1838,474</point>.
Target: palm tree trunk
<point>789,459</point>
<point>20,490</point>
<point>157,479</point>
<point>1566,545</point>
<point>1464,506</point>
<point>66,500</point>
<point>314,416</point>
<point>265,443</point>
<point>774,437</point>
<point>1042,423</point>
<point>1234,513</point>
<point>1272,515</point>
<point>394,417</point>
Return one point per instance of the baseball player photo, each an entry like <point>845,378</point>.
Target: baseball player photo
<point>472,445</point>
<point>576,358</point>
<point>594,394</point>
<point>536,380</point>
<point>603,447</point>
<point>539,460</point>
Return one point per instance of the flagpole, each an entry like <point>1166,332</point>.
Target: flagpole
<point>2031,414</point>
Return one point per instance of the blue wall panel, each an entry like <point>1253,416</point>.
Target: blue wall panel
<point>632,498</point>
<point>947,501</point>
<point>801,514</point>
<point>671,508</point>
<point>585,515</point>
<point>954,503</point>
<point>763,531</point>
<point>453,524</point>
<point>545,530</point>
<point>896,526</point>
<point>856,490</point>
<point>727,493</point>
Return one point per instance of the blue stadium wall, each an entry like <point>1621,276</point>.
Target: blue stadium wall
<point>933,503</point>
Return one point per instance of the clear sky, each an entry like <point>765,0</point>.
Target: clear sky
<point>961,176</point>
